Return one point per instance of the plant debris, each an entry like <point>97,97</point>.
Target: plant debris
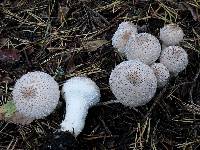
<point>73,37</point>
<point>9,55</point>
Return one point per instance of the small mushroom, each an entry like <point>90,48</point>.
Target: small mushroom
<point>174,58</point>
<point>162,74</point>
<point>123,33</point>
<point>36,95</point>
<point>171,34</point>
<point>143,46</point>
<point>133,83</point>
<point>80,93</point>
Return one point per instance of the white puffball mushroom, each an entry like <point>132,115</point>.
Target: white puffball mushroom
<point>123,33</point>
<point>162,74</point>
<point>171,34</point>
<point>80,93</point>
<point>133,83</point>
<point>143,46</point>
<point>174,58</point>
<point>36,94</point>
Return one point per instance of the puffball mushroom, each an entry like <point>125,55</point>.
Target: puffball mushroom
<point>174,58</point>
<point>36,94</point>
<point>123,33</point>
<point>171,34</point>
<point>162,74</point>
<point>133,83</point>
<point>143,46</point>
<point>80,93</point>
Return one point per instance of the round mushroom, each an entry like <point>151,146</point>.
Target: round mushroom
<point>162,74</point>
<point>143,46</point>
<point>133,83</point>
<point>36,94</point>
<point>80,93</point>
<point>123,33</point>
<point>171,34</point>
<point>174,58</point>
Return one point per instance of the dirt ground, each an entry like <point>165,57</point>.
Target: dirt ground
<point>73,37</point>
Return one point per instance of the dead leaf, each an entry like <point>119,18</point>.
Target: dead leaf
<point>71,67</point>
<point>8,113</point>
<point>18,118</point>
<point>3,41</point>
<point>94,45</point>
<point>1,116</point>
<point>1,110</point>
<point>9,55</point>
<point>63,10</point>
<point>140,3</point>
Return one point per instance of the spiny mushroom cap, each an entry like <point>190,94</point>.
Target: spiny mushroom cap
<point>171,34</point>
<point>133,83</point>
<point>174,58</point>
<point>36,94</point>
<point>83,87</point>
<point>162,74</point>
<point>143,46</point>
<point>121,36</point>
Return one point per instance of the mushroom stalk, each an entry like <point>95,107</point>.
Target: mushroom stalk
<point>80,93</point>
<point>76,112</point>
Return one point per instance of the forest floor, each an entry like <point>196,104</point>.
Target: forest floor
<point>73,37</point>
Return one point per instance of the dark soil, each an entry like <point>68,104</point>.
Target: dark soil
<point>55,37</point>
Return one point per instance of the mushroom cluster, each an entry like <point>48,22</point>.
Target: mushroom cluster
<point>133,81</point>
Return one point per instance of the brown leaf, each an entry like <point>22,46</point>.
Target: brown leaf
<point>63,10</point>
<point>140,3</point>
<point>3,41</point>
<point>18,118</point>
<point>9,55</point>
<point>71,67</point>
<point>1,116</point>
<point>1,113</point>
<point>94,45</point>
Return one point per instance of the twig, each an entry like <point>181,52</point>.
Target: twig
<point>193,85</point>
